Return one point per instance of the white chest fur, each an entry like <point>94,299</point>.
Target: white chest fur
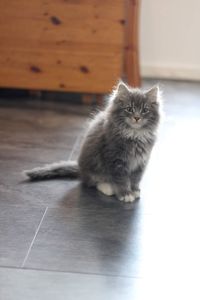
<point>142,145</point>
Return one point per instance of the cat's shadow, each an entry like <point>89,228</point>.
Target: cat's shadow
<point>90,198</point>
<point>109,226</point>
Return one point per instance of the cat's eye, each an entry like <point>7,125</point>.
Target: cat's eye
<point>129,109</point>
<point>145,110</point>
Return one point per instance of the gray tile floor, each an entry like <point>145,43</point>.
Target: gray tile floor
<point>59,240</point>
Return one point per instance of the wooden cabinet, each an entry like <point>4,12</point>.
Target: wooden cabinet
<point>68,45</point>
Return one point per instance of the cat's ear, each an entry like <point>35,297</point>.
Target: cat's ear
<point>153,94</point>
<point>122,90</point>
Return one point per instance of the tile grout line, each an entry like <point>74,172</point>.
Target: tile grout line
<point>71,272</point>
<point>33,240</point>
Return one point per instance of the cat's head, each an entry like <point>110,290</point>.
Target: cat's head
<point>135,108</point>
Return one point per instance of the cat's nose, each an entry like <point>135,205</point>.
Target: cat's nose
<point>137,118</point>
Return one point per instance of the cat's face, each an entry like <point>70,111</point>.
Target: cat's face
<point>136,108</point>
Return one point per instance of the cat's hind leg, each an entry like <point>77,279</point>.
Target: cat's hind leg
<point>105,188</point>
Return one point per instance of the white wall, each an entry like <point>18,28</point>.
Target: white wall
<point>170,38</point>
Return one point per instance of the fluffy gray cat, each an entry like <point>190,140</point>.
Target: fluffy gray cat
<point>117,146</point>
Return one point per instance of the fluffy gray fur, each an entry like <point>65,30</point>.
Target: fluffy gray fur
<point>117,146</point>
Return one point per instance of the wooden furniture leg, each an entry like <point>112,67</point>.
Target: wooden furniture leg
<point>131,51</point>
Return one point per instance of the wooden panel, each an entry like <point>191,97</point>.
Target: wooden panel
<point>91,21</point>
<point>60,70</point>
<point>61,45</point>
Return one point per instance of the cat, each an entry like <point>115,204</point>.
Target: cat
<point>117,146</point>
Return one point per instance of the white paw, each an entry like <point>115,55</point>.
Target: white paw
<point>105,188</point>
<point>128,198</point>
<point>137,194</point>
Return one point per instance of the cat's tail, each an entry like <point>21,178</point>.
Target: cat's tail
<point>68,169</point>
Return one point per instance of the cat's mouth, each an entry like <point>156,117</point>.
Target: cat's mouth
<point>136,123</point>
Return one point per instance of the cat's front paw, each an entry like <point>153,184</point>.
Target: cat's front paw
<point>129,197</point>
<point>136,194</point>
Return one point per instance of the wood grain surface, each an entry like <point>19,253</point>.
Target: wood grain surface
<point>61,45</point>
